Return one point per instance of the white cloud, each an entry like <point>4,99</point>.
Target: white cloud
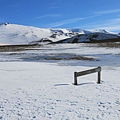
<point>56,4</point>
<point>111,25</point>
<point>107,12</point>
<point>68,21</point>
<point>48,15</point>
<point>64,22</point>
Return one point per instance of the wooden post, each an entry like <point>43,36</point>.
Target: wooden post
<point>77,74</point>
<point>75,78</point>
<point>98,77</point>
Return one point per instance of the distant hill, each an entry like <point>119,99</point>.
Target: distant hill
<point>13,34</point>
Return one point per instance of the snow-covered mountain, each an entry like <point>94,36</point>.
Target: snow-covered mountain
<point>13,34</point>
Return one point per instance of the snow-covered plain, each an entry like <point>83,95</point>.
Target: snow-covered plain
<point>35,88</point>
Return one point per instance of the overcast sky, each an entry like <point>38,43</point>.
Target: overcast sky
<point>84,14</point>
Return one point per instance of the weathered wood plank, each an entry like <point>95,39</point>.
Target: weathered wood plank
<point>89,71</point>
<point>99,74</point>
<point>75,78</point>
<point>77,74</point>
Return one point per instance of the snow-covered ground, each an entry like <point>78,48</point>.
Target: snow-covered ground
<point>35,88</point>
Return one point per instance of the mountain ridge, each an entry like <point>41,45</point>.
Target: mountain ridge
<point>14,34</point>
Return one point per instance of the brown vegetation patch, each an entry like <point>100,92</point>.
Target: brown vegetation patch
<point>67,56</point>
<point>107,44</point>
<point>55,57</point>
<point>12,48</point>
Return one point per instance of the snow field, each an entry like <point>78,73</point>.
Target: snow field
<point>28,93</point>
<point>44,90</point>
